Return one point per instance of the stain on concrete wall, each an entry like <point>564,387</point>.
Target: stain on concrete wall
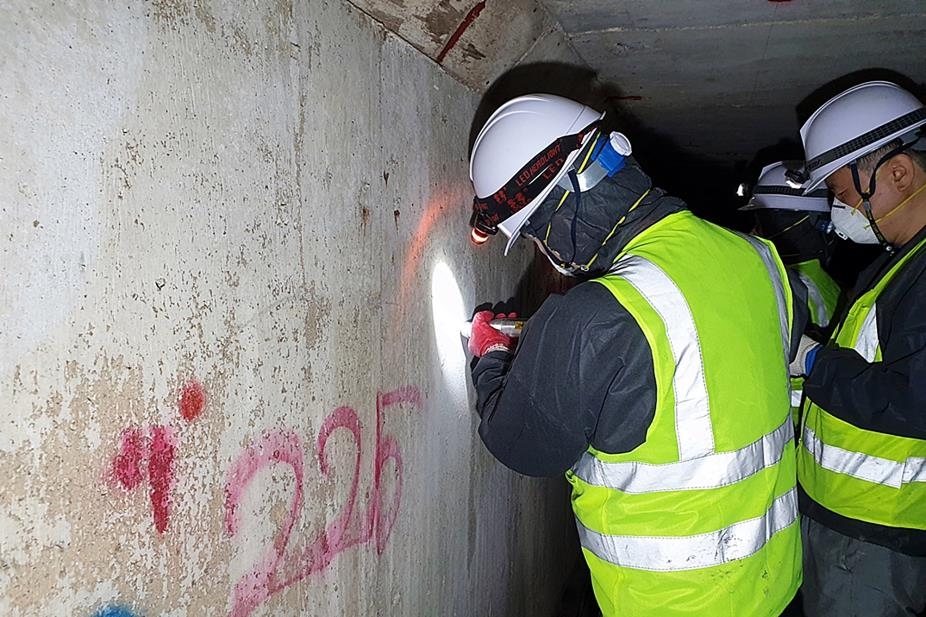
<point>476,41</point>
<point>234,248</point>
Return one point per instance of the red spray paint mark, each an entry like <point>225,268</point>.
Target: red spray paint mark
<point>273,447</point>
<point>154,451</point>
<point>192,400</point>
<point>388,448</point>
<point>455,37</point>
<point>279,569</point>
<point>128,462</point>
<point>161,474</point>
<point>437,208</point>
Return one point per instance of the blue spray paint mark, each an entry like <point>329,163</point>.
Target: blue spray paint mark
<point>114,611</point>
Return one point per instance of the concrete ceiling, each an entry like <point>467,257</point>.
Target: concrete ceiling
<point>720,79</point>
<point>724,79</point>
<point>476,41</point>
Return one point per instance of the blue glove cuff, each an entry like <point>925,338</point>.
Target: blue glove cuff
<point>810,358</point>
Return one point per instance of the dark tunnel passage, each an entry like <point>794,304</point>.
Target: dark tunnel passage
<point>244,370</point>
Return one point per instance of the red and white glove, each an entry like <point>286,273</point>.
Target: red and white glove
<point>484,338</point>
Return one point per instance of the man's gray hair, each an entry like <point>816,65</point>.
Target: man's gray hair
<point>917,152</point>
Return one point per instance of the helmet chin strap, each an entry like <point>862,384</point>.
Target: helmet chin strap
<point>866,201</point>
<point>577,191</point>
<point>605,157</point>
<point>566,267</point>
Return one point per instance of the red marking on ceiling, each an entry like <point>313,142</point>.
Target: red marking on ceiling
<point>466,23</point>
<point>192,400</point>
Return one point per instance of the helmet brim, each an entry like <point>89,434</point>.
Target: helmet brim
<point>786,202</point>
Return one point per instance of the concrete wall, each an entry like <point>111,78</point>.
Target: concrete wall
<point>234,261</point>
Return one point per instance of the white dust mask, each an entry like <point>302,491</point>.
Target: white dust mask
<point>851,223</point>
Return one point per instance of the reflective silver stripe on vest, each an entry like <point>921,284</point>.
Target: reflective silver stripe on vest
<point>816,299</point>
<point>864,466</point>
<point>797,397</point>
<point>867,343</point>
<point>714,548</point>
<point>711,471</point>
<point>774,275</point>
<point>692,409</point>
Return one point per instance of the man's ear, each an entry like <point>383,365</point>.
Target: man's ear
<point>902,170</point>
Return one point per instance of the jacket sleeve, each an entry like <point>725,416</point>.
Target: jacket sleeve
<point>800,311</point>
<point>884,396</point>
<point>582,375</point>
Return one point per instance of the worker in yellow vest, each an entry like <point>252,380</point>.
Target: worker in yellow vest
<point>659,384</point>
<point>799,226</point>
<point>862,457</point>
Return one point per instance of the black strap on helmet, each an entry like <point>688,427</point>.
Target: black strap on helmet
<point>866,139</point>
<point>787,190</point>
<point>526,184</point>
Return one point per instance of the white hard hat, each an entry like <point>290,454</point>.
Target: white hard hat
<point>515,135</point>
<point>773,190</point>
<point>855,123</point>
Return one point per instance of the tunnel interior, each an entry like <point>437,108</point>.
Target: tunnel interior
<point>236,261</point>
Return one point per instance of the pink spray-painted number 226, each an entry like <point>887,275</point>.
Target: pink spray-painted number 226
<point>279,569</point>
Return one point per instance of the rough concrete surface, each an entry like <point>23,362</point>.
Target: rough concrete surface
<point>476,41</point>
<point>751,75</point>
<point>234,263</point>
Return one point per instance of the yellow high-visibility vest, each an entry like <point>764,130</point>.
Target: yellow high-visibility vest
<point>700,519</point>
<point>861,474</point>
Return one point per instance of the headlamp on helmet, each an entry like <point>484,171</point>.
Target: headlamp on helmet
<point>480,232</point>
<point>796,178</point>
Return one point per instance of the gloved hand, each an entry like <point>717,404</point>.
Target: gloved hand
<point>484,338</point>
<point>806,354</point>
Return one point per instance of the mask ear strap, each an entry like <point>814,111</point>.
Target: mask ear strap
<point>804,219</point>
